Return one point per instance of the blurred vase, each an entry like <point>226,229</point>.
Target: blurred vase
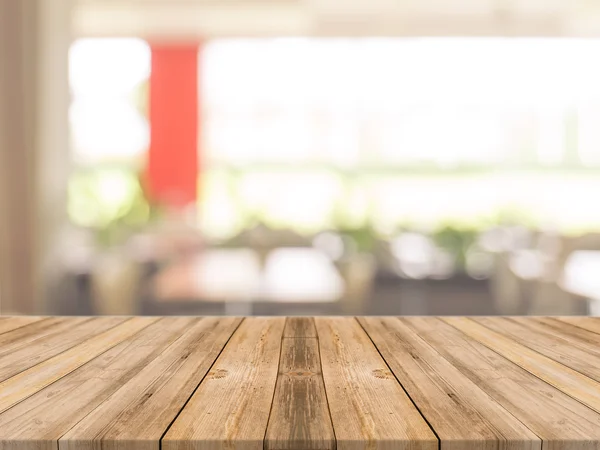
<point>115,283</point>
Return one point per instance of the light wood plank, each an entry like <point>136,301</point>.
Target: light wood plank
<point>580,337</point>
<point>559,420</point>
<point>39,421</point>
<point>45,344</point>
<point>26,336</point>
<point>300,415</point>
<point>591,324</point>
<point>463,416</point>
<point>300,327</point>
<point>535,335</point>
<point>21,336</point>
<point>137,415</point>
<point>369,409</point>
<point>10,323</point>
<point>230,409</point>
<point>573,383</point>
<point>35,378</point>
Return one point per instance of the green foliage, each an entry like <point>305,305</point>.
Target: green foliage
<point>110,201</point>
<point>455,240</point>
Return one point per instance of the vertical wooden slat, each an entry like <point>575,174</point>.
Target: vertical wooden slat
<point>230,410</point>
<point>369,409</point>
<point>300,417</point>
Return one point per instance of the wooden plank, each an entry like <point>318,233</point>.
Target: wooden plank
<point>369,409</point>
<point>545,340</point>
<point>463,416</point>
<point>35,378</point>
<point>13,322</point>
<point>580,337</point>
<point>23,335</point>
<point>591,324</point>
<point>26,353</point>
<point>300,327</point>
<point>27,335</point>
<point>230,409</point>
<point>39,421</point>
<point>569,381</point>
<point>300,415</point>
<point>137,415</point>
<point>559,420</point>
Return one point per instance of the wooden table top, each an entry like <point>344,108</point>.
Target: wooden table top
<point>278,383</point>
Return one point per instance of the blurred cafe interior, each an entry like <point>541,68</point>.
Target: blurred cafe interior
<point>262,157</point>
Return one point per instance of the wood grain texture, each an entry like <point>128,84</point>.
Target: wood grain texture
<point>35,378</point>
<point>369,409</point>
<point>300,327</point>
<point>585,323</point>
<point>22,335</point>
<point>10,323</point>
<point>572,334</point>
<point>300,414</point>
<point>137,415</point>
<point>40,420</point>
<point>558,419</point>
<point>546,340</point>
<point>567,380</point>
<point>183,383</point>
<point>230,410</point>
<point>52,340</point>
<point>462,414</point>
<point>585,329</point>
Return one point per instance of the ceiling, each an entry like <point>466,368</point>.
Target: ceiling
<point>194,19</point>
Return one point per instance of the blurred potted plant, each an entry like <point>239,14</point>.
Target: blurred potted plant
<point>456,241</point>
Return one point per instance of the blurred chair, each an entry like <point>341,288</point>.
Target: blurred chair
<point>557,290</point>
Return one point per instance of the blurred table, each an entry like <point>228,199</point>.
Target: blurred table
<point>234,281</point>
<point>581,277</point>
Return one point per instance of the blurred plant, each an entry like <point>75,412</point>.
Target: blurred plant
<point>364,238</point>
<point>457,241</point>
<point>509,216</point>
<point>111,202</point>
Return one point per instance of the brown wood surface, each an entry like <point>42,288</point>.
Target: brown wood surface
<point>28,382</point>
<point>301,383</point>
<point>587,323</point>
<point>45,343</point>
<point>300,327</point>
<point>462,414</point>
<point>369,409</point>
<point>558,419</point>
<point>12,323</point>
<point>231,407</point>
<point>569,381</point>
<point>300,414</point>
<point>538,336</point>
<point>140,412</point>
<point>34,424</point>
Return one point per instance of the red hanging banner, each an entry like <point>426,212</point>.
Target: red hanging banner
<point>172,175</point>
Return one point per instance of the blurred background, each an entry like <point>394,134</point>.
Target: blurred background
<point>299,157</point>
